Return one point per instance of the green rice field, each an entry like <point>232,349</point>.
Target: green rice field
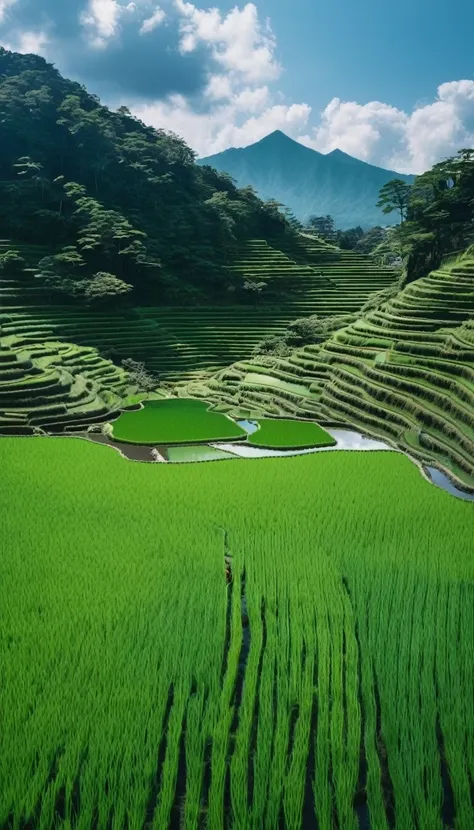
<point>174,421</point>
<point>282,643</point>
<point>283,433</point>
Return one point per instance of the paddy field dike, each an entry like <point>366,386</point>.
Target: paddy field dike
<point>188,342</point>
<point>278,642</point>
<point>403,371</point>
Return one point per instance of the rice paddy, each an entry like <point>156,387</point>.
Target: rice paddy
<point>188,342</point>
<point>402,371</point>
<point>174,421</point>
<point>282,643</point>
<point>282,433</point>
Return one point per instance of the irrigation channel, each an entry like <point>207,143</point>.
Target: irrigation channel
<point>346,440</point>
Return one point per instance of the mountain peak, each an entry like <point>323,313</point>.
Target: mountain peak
<point>278,135</point>
<point>308,181</point>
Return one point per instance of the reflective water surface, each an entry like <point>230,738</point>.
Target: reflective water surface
<point>442,480</point>
<point>346,440</point>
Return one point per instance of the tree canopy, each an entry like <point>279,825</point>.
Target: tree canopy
<point>438,217</point>
<point>110,195</point>
<point>395,195</point>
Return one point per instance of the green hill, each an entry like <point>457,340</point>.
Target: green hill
<point>123,209</point>
<point>403,371</point>
<point>309,182</point>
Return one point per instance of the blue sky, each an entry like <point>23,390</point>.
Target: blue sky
<point>370,50</point>
<point>392,84</point>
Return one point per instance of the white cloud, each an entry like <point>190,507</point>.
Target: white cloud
<point>227,125</point>
<point>218,88</point>
<point>4,6</point>
<point>239,43</point>
<point>153,21</point>
<point>101,20</point>
<point>252,100</point>
<point>28,43</point>
<point>441,128</point>
<point>240,102</point>
<point>357,129</point>
<point>242,107</point>
<point>407,142</point>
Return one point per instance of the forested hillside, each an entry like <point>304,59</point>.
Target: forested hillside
<point>122,206</point>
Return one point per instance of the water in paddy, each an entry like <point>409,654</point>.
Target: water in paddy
<point>249,426</point>
<point>442,480</point>
<point>201,452</point>
<point>346,440</point>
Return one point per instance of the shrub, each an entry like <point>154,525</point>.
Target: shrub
<point>12,262</point>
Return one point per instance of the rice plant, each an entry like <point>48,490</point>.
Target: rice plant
<point>246,644</point>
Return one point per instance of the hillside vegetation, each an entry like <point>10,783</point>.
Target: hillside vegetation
<point>114,199</point>
<point>186,341</point>
<point>309,182</point>
<point>403,370</point>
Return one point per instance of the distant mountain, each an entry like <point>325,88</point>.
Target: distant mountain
<point>309,182</point>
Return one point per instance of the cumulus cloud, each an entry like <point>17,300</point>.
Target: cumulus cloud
<point>239,42</point>
<point>212,77</point>
<point>116,47</point>
<point>29,43</point>
<point>407,142</point>
<point>101,20</point>
<point>150,23</point>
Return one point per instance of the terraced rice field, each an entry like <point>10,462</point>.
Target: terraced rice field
<point>185,342</point>
<point>281,433</point>
<point>56,386</point>
<point>251,645</point>
<point>174,421</point>
<point>403,371</point>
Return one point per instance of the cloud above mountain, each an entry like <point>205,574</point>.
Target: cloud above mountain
<point>212,77</point>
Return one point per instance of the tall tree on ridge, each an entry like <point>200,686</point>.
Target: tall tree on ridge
<point>395,195</point>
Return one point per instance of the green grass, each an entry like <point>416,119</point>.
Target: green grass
<point>174,421</point>
<point>126,687</point>
<point>280,433</point>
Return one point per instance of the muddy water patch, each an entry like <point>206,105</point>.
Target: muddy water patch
<point>134,452</point>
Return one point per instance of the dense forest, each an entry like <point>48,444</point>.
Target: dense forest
<point>436,215</point>
<point>123,207</point>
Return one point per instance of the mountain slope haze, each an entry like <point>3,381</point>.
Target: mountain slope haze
<point>309,182</point>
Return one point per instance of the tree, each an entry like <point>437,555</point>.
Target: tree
<point>371,238</point>
<point>11,262</point>
<point>127,197</point>
<point>347,240</point>
<point>104,286</point>
<point>323,226</point>
<point>140,377</point>
<point>254,287</point>
<point>395,195</point>
<point>439,218</point>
